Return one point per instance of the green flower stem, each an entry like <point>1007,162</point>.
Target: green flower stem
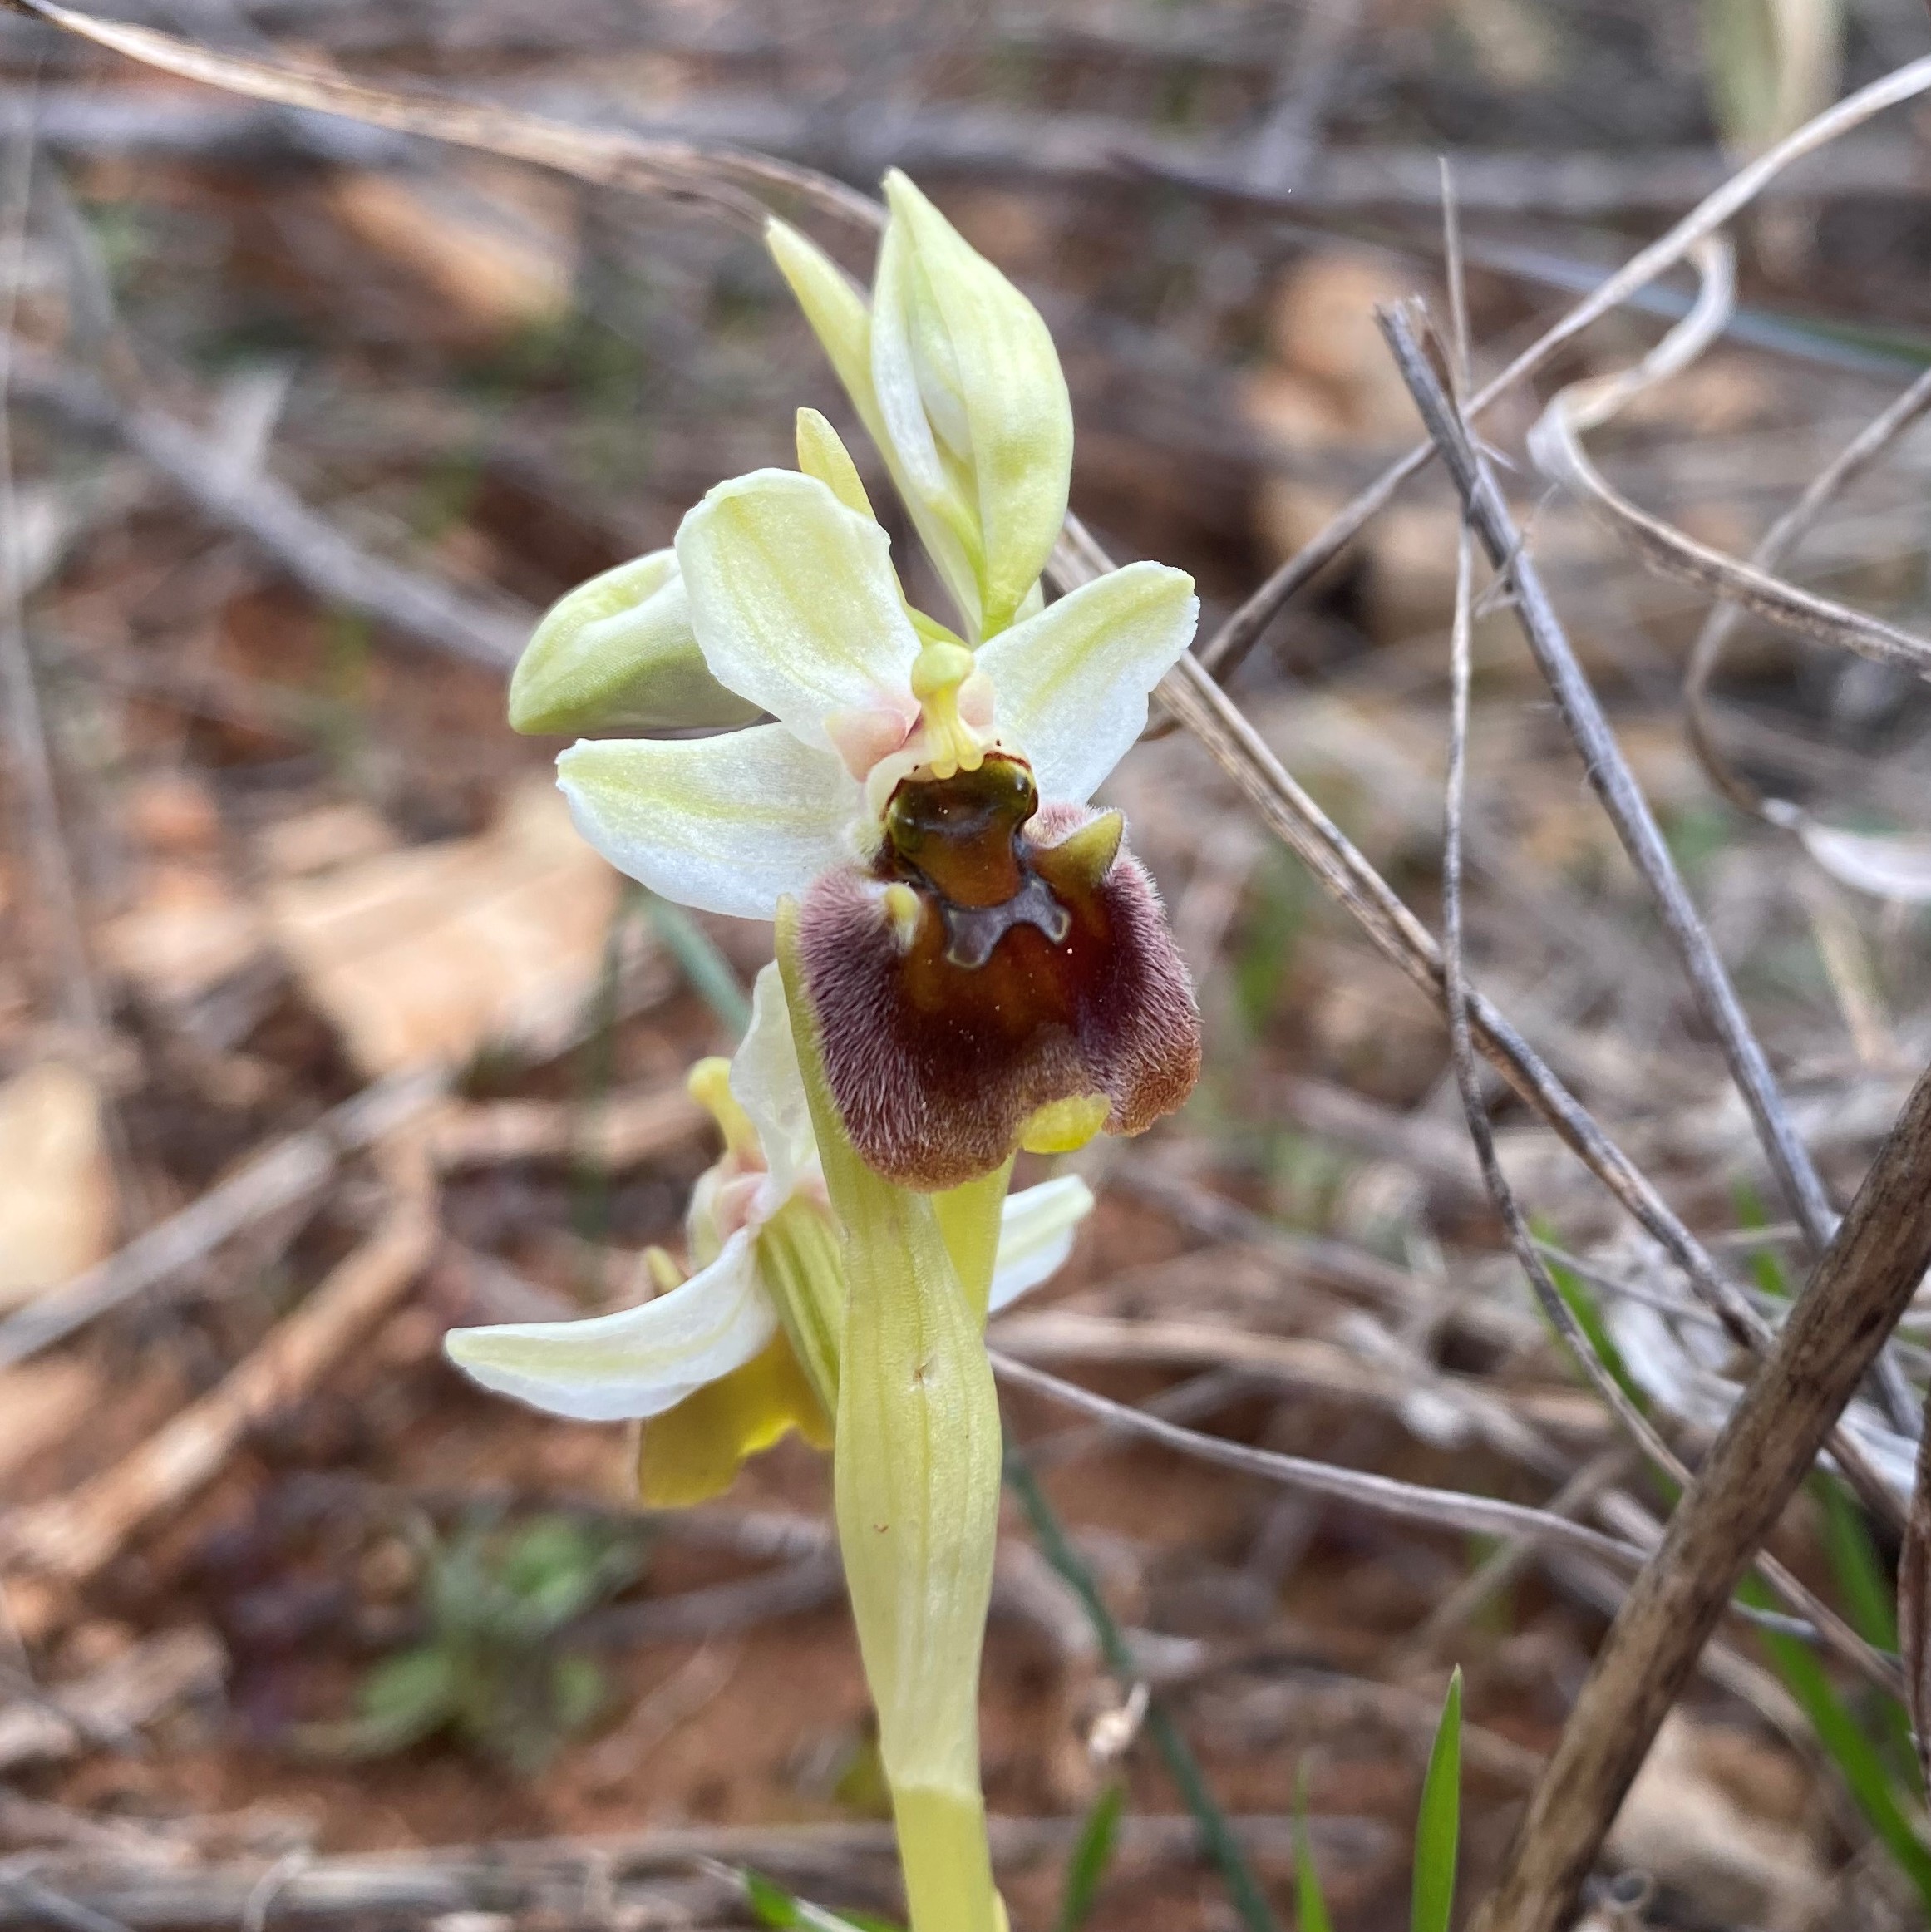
<point>916,1482</point>
<point>968,1218</point>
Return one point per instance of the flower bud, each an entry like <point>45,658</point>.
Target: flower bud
<point>617,653</point>
<point>969,388</point>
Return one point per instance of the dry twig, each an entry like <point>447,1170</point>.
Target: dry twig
<point>61,1543</point>
<point>1222,653</point>
<point>1859,1289</point>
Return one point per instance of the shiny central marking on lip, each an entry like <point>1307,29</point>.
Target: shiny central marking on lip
<point>960,839</point>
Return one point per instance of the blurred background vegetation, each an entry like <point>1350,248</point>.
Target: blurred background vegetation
<point>305,421</point>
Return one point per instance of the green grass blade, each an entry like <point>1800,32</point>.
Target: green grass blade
<point>1087,1869</point>
<point>1310,1907</point>
<point>771,1906</point>
<point>1438,1829</point>
<point>1858,1760</point>
<point>1582,1303</point>
<point>1217,1837</point>
<point>1864,1579</point>
<point>1868,1594</point>
<point>711,977</point>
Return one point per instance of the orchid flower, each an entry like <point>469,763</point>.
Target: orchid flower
<point>722,1364</point>
<point>926,804</point>
<point>969,962</point>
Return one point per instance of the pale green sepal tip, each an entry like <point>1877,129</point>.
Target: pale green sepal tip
<point>835,308</point>
<point>617,653</point>
<point>994,394</point>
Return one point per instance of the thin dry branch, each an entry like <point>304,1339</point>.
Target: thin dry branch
<point>550,1880</point>
<point>1222,653</point>
<point>53,1547</point>
<point>1779,541</point>
<point>1292,815</point>
<point>1861,1286</point>
<point>1409,1502</point>
<point>1838,1634</point>
<point>259,506</point>
<point>973,140</point>
<point>278,1177</point>
<point>725,180</point>
<point>1615,783</point>
<point>1555,442</point>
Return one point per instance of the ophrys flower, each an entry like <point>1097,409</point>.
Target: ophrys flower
<point>980,947</point>
<point>721,1364</point>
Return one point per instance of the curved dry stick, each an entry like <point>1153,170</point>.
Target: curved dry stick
<point>1230,740</point>
<point>1779,541</point>
<point>726,179</point>
<point>1222,654</point>
<point>1555,442</point>
<point>1835,1632</point>
<point>1609,771</point>
<point>1406,1502</point>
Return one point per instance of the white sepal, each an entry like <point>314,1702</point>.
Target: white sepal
<point>794,602</point>
<point>617,653</point>
<point>766,1079</point>
<point>727,824</point>
<point>1037,1230</point>
<point>1070,686</point>
<point>641,1361</point>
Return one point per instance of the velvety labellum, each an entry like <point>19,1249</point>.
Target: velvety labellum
<point>996,957</point>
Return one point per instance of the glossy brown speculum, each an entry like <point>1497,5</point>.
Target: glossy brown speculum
<point>959,844</point>
<point>996,958</point>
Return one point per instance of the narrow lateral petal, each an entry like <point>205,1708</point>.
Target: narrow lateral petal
<point>794,600</point>
<point>727,824</point>
<point>936,484</point>
<point>1037,1231</point>
<point>638,1363</point>
<point>836,308</point>
<point>766,1079</point>
<point>1071,685</point>
<point>617,653</point>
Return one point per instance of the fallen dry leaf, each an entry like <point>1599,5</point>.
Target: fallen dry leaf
<point>57,1210</point>
<point>41,1403</point>
<point>498,247</point>
<point>322,840</point>
<point>1681,1825</point>
<point>429,953</point>
<point>186,933</point>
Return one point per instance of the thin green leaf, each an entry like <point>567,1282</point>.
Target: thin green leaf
<point>1310,1907</point>
<point>1087,1869</point>
<point>1582,1303</point>
<point>1766,1267</point>
<point>1868,1594</point>
<point>1216,1834</point>
<point>1857,1759</point>
<point>772,1905</point>
<point>1438,1829</point>
<point>1864,1579</point>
